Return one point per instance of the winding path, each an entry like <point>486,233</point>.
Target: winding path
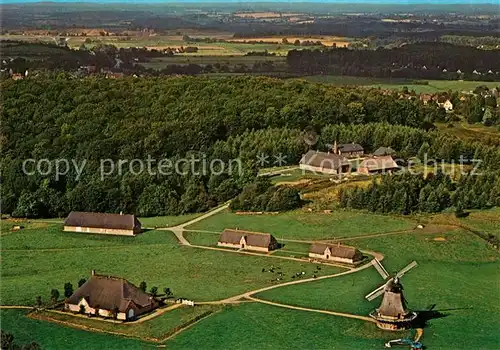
<point>179,229</point>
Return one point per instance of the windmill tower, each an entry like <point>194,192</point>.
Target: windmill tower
<point>392,313</point>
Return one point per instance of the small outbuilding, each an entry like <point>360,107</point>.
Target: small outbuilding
<point>246,240</point>
<point>326,163</point>
<point>335,252</point>
<point>377,165</point>
<point>109,296</point>
<point>350,149</point>
<point>103,223</point>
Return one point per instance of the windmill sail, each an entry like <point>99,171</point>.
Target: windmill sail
<point>381,270</point>
<point>376,293</point>
<point>406,269</point>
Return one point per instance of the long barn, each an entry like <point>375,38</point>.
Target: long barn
<point>102,223</point>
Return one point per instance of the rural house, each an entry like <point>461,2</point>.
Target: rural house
<point>109,296</point>
<point>260,242</point>
<point>349,149</point>
<point>327,163</point>
<point>111,224</point>
<point>377,165</point>
<point>335,252</point>
<point>447,105</point>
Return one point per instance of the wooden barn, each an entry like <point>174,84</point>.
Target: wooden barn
<point>256,241</point>
<point>350,150</point>
<point>109,296</point>
<point>111,224</point>
<point>326,163</point>
<point>377,165</point>
<point>337,253</point>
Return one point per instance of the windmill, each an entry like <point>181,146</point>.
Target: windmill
<point>392,313</point>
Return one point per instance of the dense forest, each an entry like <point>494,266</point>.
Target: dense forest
<point>54,117</point>
<point>409,193</point>
<point>421,60</point>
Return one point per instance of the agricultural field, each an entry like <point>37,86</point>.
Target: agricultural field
<point>41,257</point>
<point>160,42</point>
<point>326,40</point>
<point>37,259</point>
<point>154,330</point>
<point>397,84</point>
<point>306,226</point>
<point>478,132</point>
<point>258,326</point>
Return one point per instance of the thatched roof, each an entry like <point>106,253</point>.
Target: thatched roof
<point>324,160</point>
<point>108,292</point>
<point>102,220</point>
<point>255,239</point>
<point>379,163</point>
<point>340,251</point>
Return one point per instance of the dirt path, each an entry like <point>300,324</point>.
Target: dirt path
<point>179,229</point>
<point>270,256</point>
<point>248,294</point>
<point>341,314</point>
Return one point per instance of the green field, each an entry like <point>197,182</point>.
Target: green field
<point>397,84</point>
<point>303,225</point>
<point>52,336</point>
<point>155,329</point>
<point>458,272</point>
<point>257,326</point>
<point>476,132</point>
<point>35,260</point>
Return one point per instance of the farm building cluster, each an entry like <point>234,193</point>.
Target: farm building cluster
<point>340,158</point>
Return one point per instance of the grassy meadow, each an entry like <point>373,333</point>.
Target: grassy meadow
<point>458,272</point>
<point>307,226</point>
<point>258,326</point>
<point>53,336</point>
<point>154,330</point>
<point>35,260</point>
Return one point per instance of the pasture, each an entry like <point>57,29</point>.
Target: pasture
<point>53,336</point>
<point>456,272</point>
<point>307,226</point>
<point>258,326</point>
<point>37,259</point>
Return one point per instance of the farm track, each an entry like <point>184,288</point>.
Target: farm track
<point>334,313</point>
<point>241,298</point>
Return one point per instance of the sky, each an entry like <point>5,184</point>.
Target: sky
<point>465,2</point>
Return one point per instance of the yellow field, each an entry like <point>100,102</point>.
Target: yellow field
<point>326,39</point>
<point>264,14</point>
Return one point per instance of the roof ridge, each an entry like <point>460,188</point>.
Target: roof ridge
<point>245,231</point>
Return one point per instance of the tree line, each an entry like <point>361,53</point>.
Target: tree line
<point>407,193</point>
<point>183,118</point>
<point>420,60</point>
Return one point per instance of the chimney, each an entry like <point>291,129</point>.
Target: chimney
<point>93,272</point>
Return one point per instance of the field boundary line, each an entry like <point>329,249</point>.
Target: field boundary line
<point>334,313</point>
